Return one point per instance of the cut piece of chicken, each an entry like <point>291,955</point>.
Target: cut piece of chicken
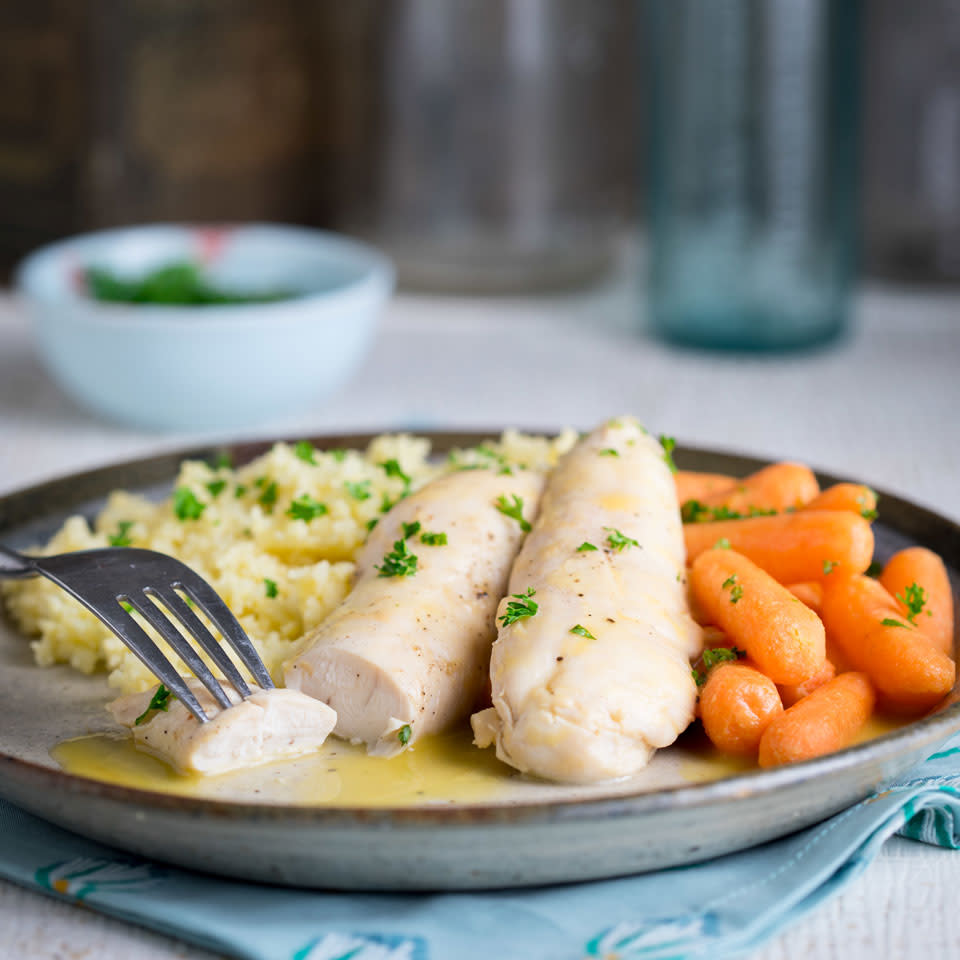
<point>408,651</point>
<point>267,725</point>
<point>588,686</point>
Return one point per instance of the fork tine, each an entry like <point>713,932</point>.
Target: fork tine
<point>149,654</point>
<point>196,628</point>
<point>169,631</point>
<point>204,596</point>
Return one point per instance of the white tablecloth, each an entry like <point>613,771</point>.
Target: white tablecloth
<point>882,406</point>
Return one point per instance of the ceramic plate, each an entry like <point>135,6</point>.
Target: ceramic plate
<point>522,833</point>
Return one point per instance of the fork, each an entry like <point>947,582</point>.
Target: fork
<point>108,581</point>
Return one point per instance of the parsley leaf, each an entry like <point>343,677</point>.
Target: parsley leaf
<point>520,607</point>
<point>159,701</point>
<point>434,539</point>
<point>392,468</point>
<point>222,460</point>
<point>304,449</point>
<point>270,587</point>
<point>411,529</point>
<point>372,522</point>
<point>581,631</point>
<point>513,510</point>
<point>890,622</point>
<point>609,452</point>
<point>185,504</point>
<point>619,541</point>
<point>121,538</point>
<point>239,490</point>
<point>711,657</point>
<point>359,490</point>
<point>404,734</point>
<point>399,562</point>
<point>914,598</point>
<point>829,565</point>
<point>585,547</point>
<point>668,444</point>
<point>216,487</point>
<point>269,495</point>
<point>736,590</point>
<point>338,454</point>
<point>722,544</point>
<point>305,508</point>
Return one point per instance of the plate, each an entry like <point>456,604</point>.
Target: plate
<point>529,834</point>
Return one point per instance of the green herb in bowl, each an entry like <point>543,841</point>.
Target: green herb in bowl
<point>174,284</point>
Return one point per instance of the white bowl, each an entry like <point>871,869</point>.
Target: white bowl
<point>216,367</point>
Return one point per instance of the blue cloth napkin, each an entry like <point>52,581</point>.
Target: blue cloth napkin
<point>721,908</point>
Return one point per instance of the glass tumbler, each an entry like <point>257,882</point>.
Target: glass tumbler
<point>752,170</point>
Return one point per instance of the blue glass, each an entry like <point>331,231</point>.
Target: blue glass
<point>753,170</point>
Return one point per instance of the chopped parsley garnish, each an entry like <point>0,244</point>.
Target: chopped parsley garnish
<point>513,510</point>
<point>582,631</point>
<point>186,505</point>
<point>609,452</point>
<point>498,458</point>
<point>216,487</point>
<point>411,529</point>
<point>338,454</point>
<point>890,622</point>
<point>693,511</point>
<point>404,734</point>
<point>305,450</point>
<point>260,481</point>
<point>159,701</point>
<point>519,607</point>
<point>386,504</point>
<point>121,538</point>
<point>270,587</point>
<point>668,444</point>
<point>619,541</point>
<point>585,547</point>
<point>392,468</point>
<point>434,539</point>
<point>305,508</point>
<point>399,562</point>
<point>269,495</point>
<point>914,598</point>
<point>711,657</point>
<point>722,544</point>
<point>372,523</point>
<point>359,490</point>
<point>736,591</point>
<point>868,513</point>
<point>239,490</point>
<point>222,460</point>
<point>829,566</point>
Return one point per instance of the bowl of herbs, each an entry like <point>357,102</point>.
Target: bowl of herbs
<point>183,328</point>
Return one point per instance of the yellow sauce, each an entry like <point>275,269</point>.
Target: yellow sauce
<point>441,769</point>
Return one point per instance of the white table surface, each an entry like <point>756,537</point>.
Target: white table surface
<point>882,406</point>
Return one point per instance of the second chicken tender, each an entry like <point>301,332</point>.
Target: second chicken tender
<point>407,653</point>
<point>591,673</point>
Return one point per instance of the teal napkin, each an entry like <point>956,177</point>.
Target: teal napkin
<point>720,908</point>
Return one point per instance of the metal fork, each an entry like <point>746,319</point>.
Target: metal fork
<point>104,580</point>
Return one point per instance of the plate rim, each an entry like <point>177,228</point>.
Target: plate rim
<point>928,730</point>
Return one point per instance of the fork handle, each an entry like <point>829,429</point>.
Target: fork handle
<point>14,566</point>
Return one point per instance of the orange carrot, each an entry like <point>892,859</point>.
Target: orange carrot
<point>809,593</point>
<point>791,547</point>
<point>790,693</point>
<point>855,497</point>
<point>874,635</point>
<point>828,719</point>
<point>784,638</point>
<point>776,487</point>
<point>736,705</point>
<point>917,568</point>
<point>692,485</point>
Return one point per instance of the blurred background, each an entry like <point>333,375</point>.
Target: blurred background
<point>487,144</point>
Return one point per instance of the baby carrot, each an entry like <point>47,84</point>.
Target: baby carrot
<point>736,705</point>
<point>874,635</point>
<point>692,485</point>
<point>791,547</point>
<point>917,576</point>
<point>809,593</point>
<point>855,497</point>
<point>790,693</point>
<point>828,719</point>
<point>776,487</point>
<point>783,638</point>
